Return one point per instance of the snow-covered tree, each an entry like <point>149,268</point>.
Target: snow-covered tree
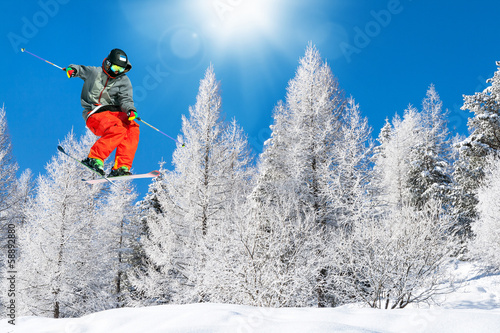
<point>273,168</point>
<point>297,165</point>
<point>304,132</point>
<point>8,169</point>
<point>483,141</point>
<point>394,157</point>
<point>485,244</point>
<point>315,102</point>
<point>185,208</point>
<point>350,172</point>
<point>399,258</point>
<point>60,262</point>
<point>413,160</point>
<point>430,169</point>
<point>351,197</point>
<point>14,194</point>
<point>119,238</point>
<point>271,262</point>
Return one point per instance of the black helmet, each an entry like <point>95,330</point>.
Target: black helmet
<point>119,58</point>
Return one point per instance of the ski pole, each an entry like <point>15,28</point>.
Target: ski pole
<point>168,136</point>
<point>34,55</point>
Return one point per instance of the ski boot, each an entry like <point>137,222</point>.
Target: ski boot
<point>122,171</point>
<point>95,164</point>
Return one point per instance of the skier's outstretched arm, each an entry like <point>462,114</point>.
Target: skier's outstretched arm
<point>79,71</point>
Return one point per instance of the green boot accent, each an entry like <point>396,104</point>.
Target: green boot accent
<point>95,164</point>
<point>122,171</point>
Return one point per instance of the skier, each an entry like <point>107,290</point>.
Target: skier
<point>109,112</point>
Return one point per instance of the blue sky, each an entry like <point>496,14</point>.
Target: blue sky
<point>385,53</point>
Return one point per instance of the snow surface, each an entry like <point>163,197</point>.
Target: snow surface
<point>473,307</point>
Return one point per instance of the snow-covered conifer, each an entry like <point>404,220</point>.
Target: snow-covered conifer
<point>60,258</point>
<point>119,241</point>
<point>186,208</point>
<point>402,250</point>
<point>485,244</point>
<point>412,163</point>
<point>8,169</point>
<point>305,130</point>
<point>351,169</point>
<point>296,166</point>
<point>430,169</point>
<point>14,194</point>
<point>483,141</point>
<point>394,158</point>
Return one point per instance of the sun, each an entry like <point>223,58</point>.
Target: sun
<point>243,15</point>
<point>236,20</point>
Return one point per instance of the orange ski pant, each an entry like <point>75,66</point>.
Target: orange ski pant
<point>115,132</point>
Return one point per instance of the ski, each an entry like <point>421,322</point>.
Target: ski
<point>152,174</point>
<point>61,149</point>
<point>104,179</point>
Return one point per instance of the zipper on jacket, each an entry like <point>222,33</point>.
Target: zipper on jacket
<point>105,85</point>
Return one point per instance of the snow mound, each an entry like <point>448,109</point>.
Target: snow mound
<point>232,318</point>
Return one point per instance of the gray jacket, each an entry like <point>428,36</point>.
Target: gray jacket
<point>100,89</point>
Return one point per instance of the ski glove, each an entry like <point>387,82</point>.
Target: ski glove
<point>132,114</point>
<point>70,71</point>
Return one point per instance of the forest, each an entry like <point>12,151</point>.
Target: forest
<point>328,214</point>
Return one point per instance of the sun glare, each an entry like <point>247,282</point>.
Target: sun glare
<point>232,20</point>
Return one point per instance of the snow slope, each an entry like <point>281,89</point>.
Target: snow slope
<point>474,307</point>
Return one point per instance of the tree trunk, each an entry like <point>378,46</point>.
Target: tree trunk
<point>56,310</point>
<point>322,302</point>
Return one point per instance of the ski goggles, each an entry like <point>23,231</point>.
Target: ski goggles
<point>116,68</point>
